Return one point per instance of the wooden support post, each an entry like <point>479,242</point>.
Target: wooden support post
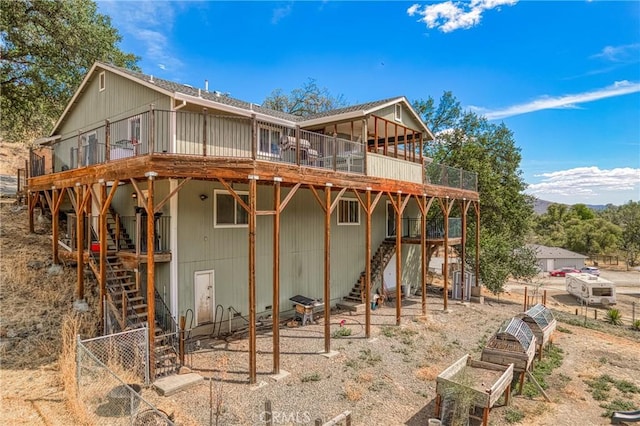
<point>103,248</point>
<point>183,323</point>
<point>297,145</point>
<point>524,307</point>
<point>367,268</point>
<point>446,210</point>
<point>252,278</point>
<point>485,416</point>
<point>423,253</point>
<point>327,268</point>
<point>276,278</point>
<point>375,141</point>
<point>151,273</point>
<point>438,405</point>
<point>544,297</point>
<point>476,207</point>
<point>463,252</point>
<point>55,225</point>
<point>521,384</point>
<point>80,241</point>
<point>507,394</point>
<point>31,199</point>
<point>398,258</point>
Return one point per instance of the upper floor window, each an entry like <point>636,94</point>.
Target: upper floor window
<point>134,129</point>
<point>398,114</point>
<point>268,140</point>
<point>102,81</point>
<point>227,212</point>
<point>348,212</point>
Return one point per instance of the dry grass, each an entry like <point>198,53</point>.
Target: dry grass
<point>68,371</point>
<point>427,373</point>
<point>352,392</point>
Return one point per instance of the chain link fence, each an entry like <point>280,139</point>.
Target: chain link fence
<point>111,371</point>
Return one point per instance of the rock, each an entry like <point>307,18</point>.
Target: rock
<point>81,306</point>
<point>54,270</point>
<point>35,264</point>
<point>184,370</point>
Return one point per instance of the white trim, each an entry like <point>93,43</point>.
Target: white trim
<point>348,200</point>
<point>235,209</point>
<point>88,77</point>
<point>232,109</point>
<point>102,81</point>
<point>173,235</point>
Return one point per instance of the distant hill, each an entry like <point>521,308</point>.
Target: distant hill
<point>541,206</point>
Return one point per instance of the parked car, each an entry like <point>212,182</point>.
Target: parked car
<point>563,272</point>
<point>591,270</point>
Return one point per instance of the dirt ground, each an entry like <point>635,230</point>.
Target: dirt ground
<point>388,379</point>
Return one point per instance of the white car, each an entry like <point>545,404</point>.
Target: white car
<point>590,270</point>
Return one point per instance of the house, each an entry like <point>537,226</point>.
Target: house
<point>550,258</point>
<point>188,203</point>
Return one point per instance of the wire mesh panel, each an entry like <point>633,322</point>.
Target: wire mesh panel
<point>111,371</point>
<point>541,315</point>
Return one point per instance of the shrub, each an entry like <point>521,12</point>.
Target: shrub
<point>342,332</point>
<point>614,316</point>
<point>636,325</point>
<point>315,377</point>
<point>617,405</point>
<point>513,415</point>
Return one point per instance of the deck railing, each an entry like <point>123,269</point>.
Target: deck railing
<point>435,228</point>
<point>209,135</point>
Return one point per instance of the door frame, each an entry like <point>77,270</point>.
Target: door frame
<point>213,294</point>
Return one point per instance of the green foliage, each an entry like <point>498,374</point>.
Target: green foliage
<point>543,369</point>
<point>314,377</point>
<point>513,415</point>
<point>468,141</point>
<point>627,217</point>
<point>614,316</point>
<point>307,100</point>
<point>341,332</point>
<point>617,405</point>
<point>636,324</point>
<point>46,48</point>
<point>562,329</point>
<point>369,357</point>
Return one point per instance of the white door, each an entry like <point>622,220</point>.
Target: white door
<point>204,300</point>
<point>389,275</point>
<point>550,265</point>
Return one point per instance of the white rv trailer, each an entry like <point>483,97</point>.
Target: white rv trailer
<point>591,289</point>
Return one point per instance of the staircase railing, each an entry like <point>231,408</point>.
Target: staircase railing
<point>167,323</point>
<point>123,315</point>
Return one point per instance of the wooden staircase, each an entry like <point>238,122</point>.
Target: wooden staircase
<point>379,261</point>
<point>130,309</point>
<point>114,241</point>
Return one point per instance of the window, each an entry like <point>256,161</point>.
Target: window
<point>398,114</point>
<point>134,129</point>
<point>227,213</point>
<point>348,212</point>
<point>269,138</point>
<point>391,220</point>
<point>90,148</point>
<point>101,81</point>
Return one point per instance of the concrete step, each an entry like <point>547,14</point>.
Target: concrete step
<point>170,385</point>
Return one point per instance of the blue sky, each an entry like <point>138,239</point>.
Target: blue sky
<point>563,76</point>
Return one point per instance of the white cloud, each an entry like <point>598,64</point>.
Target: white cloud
<point>585,184</point>
<point>281,13</point>
<point>149,23</point>
<point>619,88</point>
<point>624,53</point>
<point>449,16</point>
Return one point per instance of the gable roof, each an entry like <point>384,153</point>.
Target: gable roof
<point>218,100</point>
<point>544,252</point>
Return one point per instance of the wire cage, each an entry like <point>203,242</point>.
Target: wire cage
<point>513,343</point>
<point>542,323</point>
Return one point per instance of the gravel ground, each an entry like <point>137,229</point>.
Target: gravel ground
<point>387,379</point>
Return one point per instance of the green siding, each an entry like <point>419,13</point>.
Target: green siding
<point>408,119</point>
<point>225,250</point>
<point>121,98</point>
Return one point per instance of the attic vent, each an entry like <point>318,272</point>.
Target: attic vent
<point>102,81</point>
<point>398,112</point>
